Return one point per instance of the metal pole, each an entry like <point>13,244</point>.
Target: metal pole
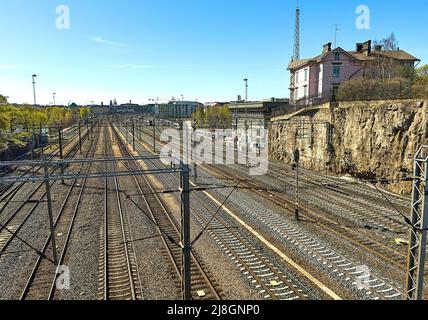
<point>60,149</point>
<point>246,90</point>
<point>185,233</point>
<point>133,135</point>
<point>296,156</point>
<point>50,212</point>
<point>296,210</point>
<point>246,142</point>
<point>126,132</point>
<point>80,137</point>
<point>34,89</point>
<point>34,142</point>
<point>418,233</point>
<point>41,132</point>
<point>194,156</point>
<point>154,134</point>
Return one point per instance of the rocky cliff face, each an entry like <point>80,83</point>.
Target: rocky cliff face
<point>369,140</point>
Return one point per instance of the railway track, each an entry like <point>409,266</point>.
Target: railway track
<point>347,186</point>
<point>367,211</point>
<point>5,191</point>
<point>15,221</point>
<point>118,269</point>
<point>203,287</point>
<point>368,243</point>
<point>41,284</point>
<point>339,265</point>
<point>254,263</point>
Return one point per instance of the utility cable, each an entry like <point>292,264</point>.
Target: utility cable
<point>215,214</point>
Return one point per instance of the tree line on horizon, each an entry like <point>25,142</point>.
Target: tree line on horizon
<point>25,116</point>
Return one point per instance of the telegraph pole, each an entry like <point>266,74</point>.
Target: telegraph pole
<point>185,233</point>
<point>80,137</point>
<point>194,156</point>
<point>296,156</point>
<point>126,131</point>
<point>40,137</point>
<point>34,141</point>
<point>418,233</point>
<point>133,135</point>
<point>50,211</point>
<point>60,149</point>
<point>246,142</point>
<point>154,134</point>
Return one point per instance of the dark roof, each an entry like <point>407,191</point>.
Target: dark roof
<point>397,54</point>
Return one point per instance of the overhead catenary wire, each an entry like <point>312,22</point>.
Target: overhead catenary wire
<point>214,215</point>
<point>24,242</point>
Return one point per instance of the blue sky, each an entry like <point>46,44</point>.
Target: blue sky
<point>202,49</point>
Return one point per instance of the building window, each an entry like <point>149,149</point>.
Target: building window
<point>306,74</point>
<point>297,77</point>
<point>336,71</point>
<point>337,55</point>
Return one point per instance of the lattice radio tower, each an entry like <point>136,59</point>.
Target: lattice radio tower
<point>296,51</point>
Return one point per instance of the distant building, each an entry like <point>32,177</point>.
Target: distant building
<point>258,110</point>
<point>318,79</point>
<point>215,104</point>
<point>177,109</point>
<point>131,108</point>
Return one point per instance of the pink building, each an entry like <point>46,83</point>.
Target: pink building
<point>317,80</point>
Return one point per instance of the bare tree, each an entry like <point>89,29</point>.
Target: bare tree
<point>386,65</point>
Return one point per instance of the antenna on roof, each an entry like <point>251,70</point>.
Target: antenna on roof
<point>296,52</point>
<point>336,30</point>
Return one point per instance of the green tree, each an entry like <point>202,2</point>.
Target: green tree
<point>218,117</point>
<point>198,116</point>
<point>420,87</point>
<point>5,118</point>
<point>3,99</point>
<point>422,72</point>
<point>84,112</point>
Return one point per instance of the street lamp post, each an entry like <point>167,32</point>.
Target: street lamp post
<point>246,90</point>
<point>34,76</point>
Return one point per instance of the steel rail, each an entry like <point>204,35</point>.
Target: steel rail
<point>165,225</point>
<point>32,280</point>
<point>71,152</point>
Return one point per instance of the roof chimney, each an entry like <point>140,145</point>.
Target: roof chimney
<point>326,48</point>
<point>367,47</point>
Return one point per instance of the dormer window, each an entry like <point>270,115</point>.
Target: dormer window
<point>337,55</point>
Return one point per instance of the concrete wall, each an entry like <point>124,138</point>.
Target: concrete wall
<point>365,139</point>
